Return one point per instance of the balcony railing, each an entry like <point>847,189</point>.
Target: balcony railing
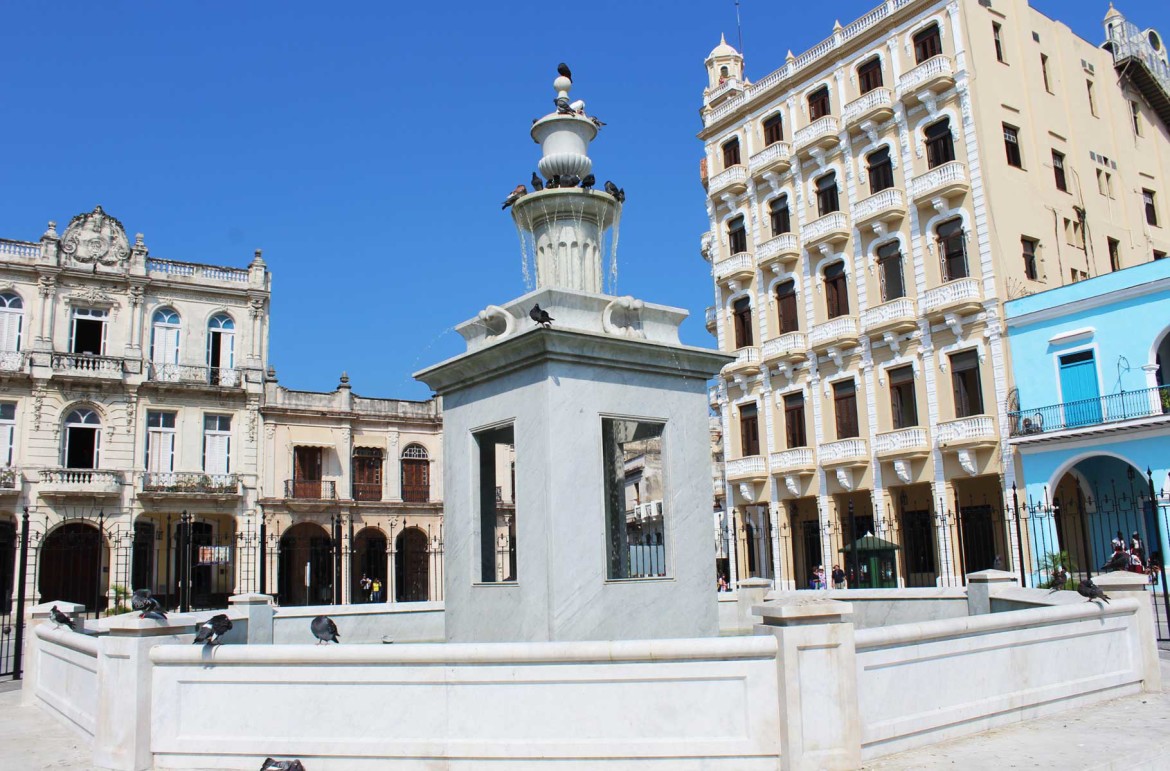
<point>416,493</point>
<point>843,451</point>
<point>889,200</point>
<point>372,491</point>
<point>1083,413</point>
<point>888,314</point>
<point>711,316</point>
<point>785,243</point>
<point>785,345</point>
<point>191,374</point>
<point>876,99</point>
<point>179,482</point>
<point>736,175</point>
<point>946,175</point>
<point>777,152</point>
<point>13,361</point>
<point>10,479</point>
<point>830,224</point>
<point>793,459</point>
<point>314,489</point>
<point>86,481</point>
<point>839,328</point>
<point>746,357</point>
<point>751,466</point>
<point>975,429</point>
<point>738,263</point>
<point>959,291</point>
<point>22,249</point>
<point>936,67</point>
<point>820,129</point>
<point>724,88</point>
<point>195,270</point>
<point>88,365</point>
<point>903,440</point>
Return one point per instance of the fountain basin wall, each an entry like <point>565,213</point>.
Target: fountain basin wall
<point>399,622</point>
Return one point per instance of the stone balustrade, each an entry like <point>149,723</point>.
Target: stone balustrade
<point>952,174</point>
<point>890,200</point>
<point>784,346</point>
<point>749,466</point>
<point>843,451</point>
<point>733,176</point>
<point>193,374</point>
<point>87,365</point>
<point>935,68</point>
<point>737,264</point>
<point>13,361</point>
<point>783,244</point>
<point>196,271</point>
<point>92,481</point>
<point>842,327</point>
<point>889,314</point>
<point>775,153</point>
<point>24,250</point>
<point>959,291</point>
<point>972,430</point>
<point>870,102</point>
<point>724,88</point>
<point>793,459</point>
<point>833,224</point>
<point>904,440</point>
<point>822,128</point>
<point>711,316</point>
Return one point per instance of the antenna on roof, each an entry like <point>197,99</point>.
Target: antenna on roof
<point>738,28</point>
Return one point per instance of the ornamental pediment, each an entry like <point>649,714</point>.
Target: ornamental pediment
<point>96,237</point>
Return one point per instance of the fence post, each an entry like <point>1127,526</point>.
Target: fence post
<point>263,550</point>
<point>21,578</point>
<point>1160,536</point>
<point>1019,534</point>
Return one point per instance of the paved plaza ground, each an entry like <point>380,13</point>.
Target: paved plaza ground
<point>1131,734</point>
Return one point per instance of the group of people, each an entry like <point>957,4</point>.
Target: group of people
<point>372,587</point>
<point>1132,556</point>
<point>817,581</point>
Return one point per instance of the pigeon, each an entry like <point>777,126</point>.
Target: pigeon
<point>324,630</point>
<point>60,619</point>
<point>540,316</point>
<point>563,107</point>
<point>1119,561</point>
<point>569,180</point>
<point>618,193</point>
<point>1089,589</point>
<point>147,606</point>
<point>514,196</point>
<point>578,106</point>
<point>537,183</point>
<point>588,182</point>
<point>563,70</point>
<point>213,629</point>
<point>597,121</point>
<point>1059,579</point>
<point>553,182</point>
<point>271,764</point>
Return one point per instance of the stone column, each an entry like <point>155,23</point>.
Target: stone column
<point>816,666</point>
<point>34,617</point>
<point>984,585</point>
<point>1120,584</point>
<point>258,612</point>
<point>122,734</point>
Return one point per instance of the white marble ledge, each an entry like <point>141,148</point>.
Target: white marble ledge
<point>359,609</point>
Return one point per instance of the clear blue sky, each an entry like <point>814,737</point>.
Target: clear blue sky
<point>366,147</point>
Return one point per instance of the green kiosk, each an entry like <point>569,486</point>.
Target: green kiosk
<point>876,562</point>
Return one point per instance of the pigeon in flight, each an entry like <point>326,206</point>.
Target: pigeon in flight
<point>541,316</point>
<point>514,196</point>
<point>1089,589</point>
<point>537,183</point>
<point>619,194</point>
<point>588,182</point>
<point>324,630</point>
<point>60,619</point>
<point>563,70</point>
<point>147,606</point>
<point>212,630</point>
<point>282,765</point>
<point>1119,561</point>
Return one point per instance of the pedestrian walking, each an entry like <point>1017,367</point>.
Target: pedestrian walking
<point>838,577</point>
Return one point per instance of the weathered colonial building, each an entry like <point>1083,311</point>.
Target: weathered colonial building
<point>873,202</point>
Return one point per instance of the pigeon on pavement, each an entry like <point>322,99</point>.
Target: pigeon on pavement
<point>212,630</point>
<point>324,630</point>
<point>1089,589</point>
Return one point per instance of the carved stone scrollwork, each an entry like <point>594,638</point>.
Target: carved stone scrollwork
<point>792,483</point>
<point>967,461</point>
<point>96,237</point>
<point>47,285</point>
<point>902,470</point>
<point>845,478</point>
<point>747,491</point>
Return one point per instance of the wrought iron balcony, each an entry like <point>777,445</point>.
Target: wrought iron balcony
<point>62,482</point>
<point>189,374</point>
<point>731,180</point>
<point>372,491</point>
<point>13,361</point>
<point>876,105</point>
<point>775,157</point>
<point>945,180</point>
<point>312,489</point>
<point>749,467</point>
<point>88,365</point>
<point>164,483</point>
<point>1104,411</point>
<point>934,74</point>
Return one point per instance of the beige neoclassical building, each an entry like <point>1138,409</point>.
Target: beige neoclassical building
<point>872,204</point>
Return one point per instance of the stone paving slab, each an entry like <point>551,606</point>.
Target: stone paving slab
<point>1130,734</point>
<point>30,740</point>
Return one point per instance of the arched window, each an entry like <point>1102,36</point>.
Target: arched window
<point>779,215</point>
<point>787,313</point>
<point>827,201</point>
<point>927,44</point>
<point>952,249</point>
<point>836,290</point>
<point>165,328</point>
<point>736,235</point>
<point>83,436</point>
<point>731,153</point>
<point>221,350</point>
<point>416,474</point>
<point>881,170</point>
<point>773,129</point>
<point>940,145</point>
<point>741,311</point>
<point>723,72</point>
<point>889,257</point>
<point>869,75</point>
<point>818,103</point>
<point>11,321</point>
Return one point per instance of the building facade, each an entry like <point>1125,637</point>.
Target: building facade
<point>151,446</point>
<point>872,203</point>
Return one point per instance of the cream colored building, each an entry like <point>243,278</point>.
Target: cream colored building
<point>873,202</point>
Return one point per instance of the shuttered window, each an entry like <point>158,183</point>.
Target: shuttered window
<point>160,441</point>
<point>836,290</point>
<point>787,313</point>
<point>794,421</point>
<point>968,392</point>
<point>11,321</point>
<point>749,430</point>
<point>217,444</point>
<point>845,408</point>
<point>7,432</point>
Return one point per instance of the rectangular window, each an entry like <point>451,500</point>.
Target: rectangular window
<point>217,444</point>
<point>781,220</point>
<point>497,523</point>
<point>818,103</point>
<point>1074,233</point>
<point>89,331</point>
<point>1136,115</point>
<point>903,401</point>
<point>794,428</point>
<point>1151,207</point>
<point>927,44</point>
<point>1092,97</point>
<point>749,430</point>
<point>1076,275</point>
<point>160,441</point>
<point>965,381</point>
<point>773,130</point>
<point>869,75</point>
<point>1114,254</point>
<point>635,512</point>
<point>367,474</point>
<point>741,311</point>
<point>7,433</point>
<point>940,145</point>
<point>881,171</point>
<point>1029,249</point>
<point>1104,183</point>
<point>1011,143</point>
<point>952,245</point>
<point>836,290</point>
<point>845,409</point>
<point>1058,171</point>
<point>1159,255</point>
<point>787,312</point>
<point>1044,72</point>
<point>731,153</point>
<point>736,236</point>
<point>890,270</point>
<point>997,34</point>
<point>827,201</point>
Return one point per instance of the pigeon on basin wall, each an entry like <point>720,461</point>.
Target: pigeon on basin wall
<point>324,630</point>
<point>147,606</point>
<point>282,765</point>
<point>618,193</point>
<point>60,619</point>
<point>212,630</point>
<point>588,182</point>
<point>540,316</point>
<point>514,196</point>
<point>537,183</point>
<point>1089,589</point>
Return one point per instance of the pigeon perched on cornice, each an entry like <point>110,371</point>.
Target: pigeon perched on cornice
<point>563,70</point>
<point>147,606</point>
<point>60,619</point>
<point>212,630</point>
<point>569,180</point>
<point>588,182</point>
<point>540,316</point>
<point>324,630</point>
<point>537,182</point>
<point>514,196</point>
<point>1089,589</point>
<point>619,194</point>
<point>553,182</point>
<point>563,107</point>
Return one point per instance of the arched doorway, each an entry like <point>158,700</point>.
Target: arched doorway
<point>70,566</point>
<point>411,566</point>
<point>306,566</point>
<point>368,559</point>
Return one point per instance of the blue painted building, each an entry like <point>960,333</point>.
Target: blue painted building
<point>1090,413</point>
